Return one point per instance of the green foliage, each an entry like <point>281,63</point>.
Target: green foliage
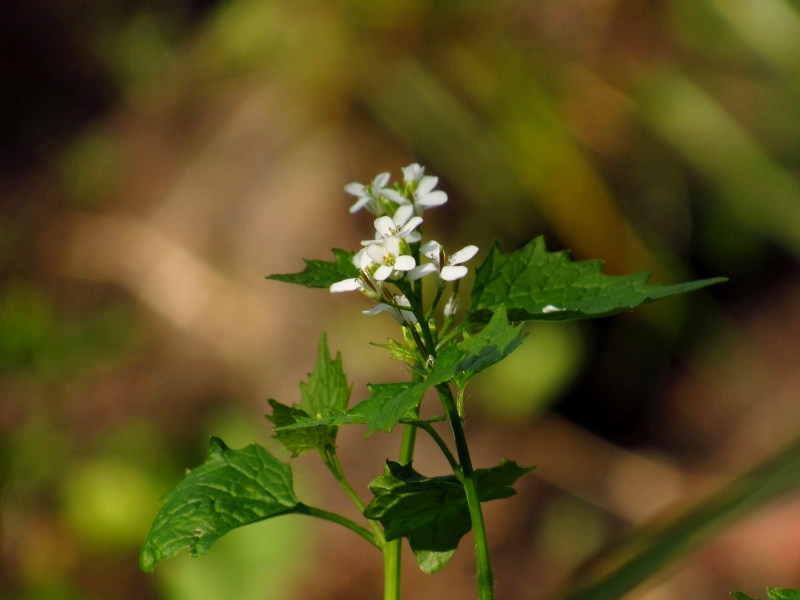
<point>399,351</point>
<point>231,489</point>
<point>432,512</point>
<point>495,342</point>
<point>360,414</point>
<point>320,273</point>
<point>772,594</point>
<point>537,285</point>
<point>323,397</point>
<point>299,441</point>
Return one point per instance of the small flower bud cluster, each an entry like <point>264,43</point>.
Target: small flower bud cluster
<point>389,256</point>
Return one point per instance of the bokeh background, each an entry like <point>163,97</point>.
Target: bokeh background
<point>158,158</point>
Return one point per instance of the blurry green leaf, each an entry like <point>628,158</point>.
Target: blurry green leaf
<point>537,285</point>
<point>399,351</point>
<point>90,169</point>
<point>322,274</point>
<point>299,441</point>
<point>326,394</point>
<point>432,512</point>
<point>650,550</point>
<point>772,594</point>
<point>783,594</point>
<point>231,489</point>
<point>495,342</point>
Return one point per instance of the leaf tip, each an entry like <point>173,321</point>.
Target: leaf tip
<point>147,558</point>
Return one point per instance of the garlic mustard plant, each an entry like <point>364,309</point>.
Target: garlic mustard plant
<point>444,348</point>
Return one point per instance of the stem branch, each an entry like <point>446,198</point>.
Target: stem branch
<point>343,521</point>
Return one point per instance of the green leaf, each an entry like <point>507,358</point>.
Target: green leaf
<point>231,489</point>
<point>400,351</point>
<point>658,545</point>
<point>362,412</point>
<point>783,594</point>
<point>432,512</point>
<point>324,396</point>
<point>299,441</point>
<point>394,409</point>
<point>537,285</point>
<point>326,390</point>
<point>496,341</point>
<point>322,274</point>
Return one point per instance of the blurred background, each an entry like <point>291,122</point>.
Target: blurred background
<point>158,158</point>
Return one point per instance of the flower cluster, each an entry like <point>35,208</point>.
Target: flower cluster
<point>390,256</point>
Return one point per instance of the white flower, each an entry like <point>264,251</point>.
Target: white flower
<point>401,226</point>
<point>401,316</point>
<point>418,190</point>
<point>368,195</point>
<point>447,268</point>
<point>387,254</point>
<point>365,282</point>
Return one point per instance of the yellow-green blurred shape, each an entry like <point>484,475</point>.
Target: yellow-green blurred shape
<point>526,382</point>
<point>570,531</point>
<point>770,27</point>
<point>110,503</point>
<point>90,169</point>
<point>141,50</point>
<point>752,186</point>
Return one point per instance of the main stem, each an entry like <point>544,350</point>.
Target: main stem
<point>484,567</point>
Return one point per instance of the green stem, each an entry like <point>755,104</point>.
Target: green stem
<point>416,308</point>
<point>442,446</point>
<point>331,460</point>
<point>436,299</point>
<point>484,567</point>
<point>391,550</point>
<point>461,327</point>
<point>343,521</point>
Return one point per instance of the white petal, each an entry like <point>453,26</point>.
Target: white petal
<point>430,248</point>
<point>346,285</point>
<point>404,263</point>
<point>381,179</point>
<point>360,203</point>
<point>463,255</point>
<point>426,184</point>
<point>371,242</point>
<point>402,215</point>
<point>377,309</point>
<point>375,252</point>
<point>383,272</point>
<point>413,172</point>
<point>551,309</point>
<point>384,225</point>
<point>394,196</point>
<point>391,245</point>
<point>413,237</point>
<point>450,273</point>
<point>431,199</point>
<point>355,188</point>
<point>410,226</point>
<point>421,271</point>
<point>362,260</point>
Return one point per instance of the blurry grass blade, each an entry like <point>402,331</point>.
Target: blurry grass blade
<point>653,549</point>
<point>756,190</point>
<point>771,27</point>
